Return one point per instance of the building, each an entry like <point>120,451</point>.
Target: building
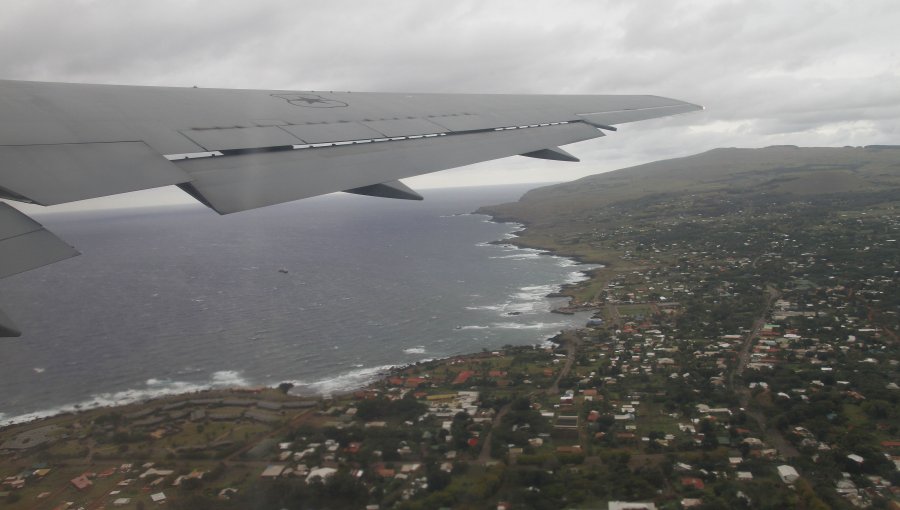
<point>788,474</point>
<point>631,505</point>
<point>320,473</point>
<point>273,471</point>
<point>81,482</point>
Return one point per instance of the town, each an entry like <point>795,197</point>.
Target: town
<point>734,360</point>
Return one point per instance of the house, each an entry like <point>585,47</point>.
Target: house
<point>682,467</point>
<point>385,472</point>
<point>322,473</point>
<point>788,474</point>
<point>156,472</point>
<point>414,382</point>
<point>463,376</point>
<point>630,505</point>
<point>81,482</point>
<point>273,471</point>
<point>690,481</point>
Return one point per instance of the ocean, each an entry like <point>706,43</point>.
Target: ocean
<point>326,293</point>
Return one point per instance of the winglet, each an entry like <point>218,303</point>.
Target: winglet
<point>554,153</point>
<point>392,189</point>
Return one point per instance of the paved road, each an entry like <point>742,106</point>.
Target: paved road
<point>570,341</point>
<point>773,435</point>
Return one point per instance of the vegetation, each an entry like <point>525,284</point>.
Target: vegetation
<point>746,320</point>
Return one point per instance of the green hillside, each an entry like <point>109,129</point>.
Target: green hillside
<point>740,177</point>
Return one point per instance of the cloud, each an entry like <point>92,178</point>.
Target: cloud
<point>807,72</point>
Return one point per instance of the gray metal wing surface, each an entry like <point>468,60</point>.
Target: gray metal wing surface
<point>235,150</point>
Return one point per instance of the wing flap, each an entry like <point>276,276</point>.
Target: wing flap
<point>332,132</point>
<point>25,244</point>
<point>405,127</point>
<point>237,138</point>
<point>463,122</point>
<point>58,173</point>
<point>248,181</point>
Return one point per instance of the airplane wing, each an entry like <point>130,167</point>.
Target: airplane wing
<point>235,150</point>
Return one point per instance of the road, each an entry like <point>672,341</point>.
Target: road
<point>570,341</point>
<point>773,435</point>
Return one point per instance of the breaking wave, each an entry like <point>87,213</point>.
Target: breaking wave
<point>518,256</point>
<point>535,325</point>
<point>153,388</point>
<point>347,381</point>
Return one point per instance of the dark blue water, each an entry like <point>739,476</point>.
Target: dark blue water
<point>172,300</point>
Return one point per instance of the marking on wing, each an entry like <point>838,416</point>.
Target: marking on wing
<point>311,101</point>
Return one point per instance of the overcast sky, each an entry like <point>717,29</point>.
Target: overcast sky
<point>813,73</point>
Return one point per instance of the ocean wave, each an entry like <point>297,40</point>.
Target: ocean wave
<point>518,256</point>
<point>491,308</point>
<point>528,299</point>
<point>535,292</point>
<point>229,378</point>
<point>534,325</point>
<point>473,327</point>
<point>420,349</point>
<point>576,277</point>
<point>527,306</point>
<point>344,382</point>
<point>154,388</point>
<point>580,276</point>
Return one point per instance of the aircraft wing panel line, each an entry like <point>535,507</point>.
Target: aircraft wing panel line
<point>236,183</point>
<point>220,153</point>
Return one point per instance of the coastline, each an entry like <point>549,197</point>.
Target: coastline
<point>232,381</point>
<point>567,290</point>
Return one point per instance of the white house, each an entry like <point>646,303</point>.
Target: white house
<point>788,474</point>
